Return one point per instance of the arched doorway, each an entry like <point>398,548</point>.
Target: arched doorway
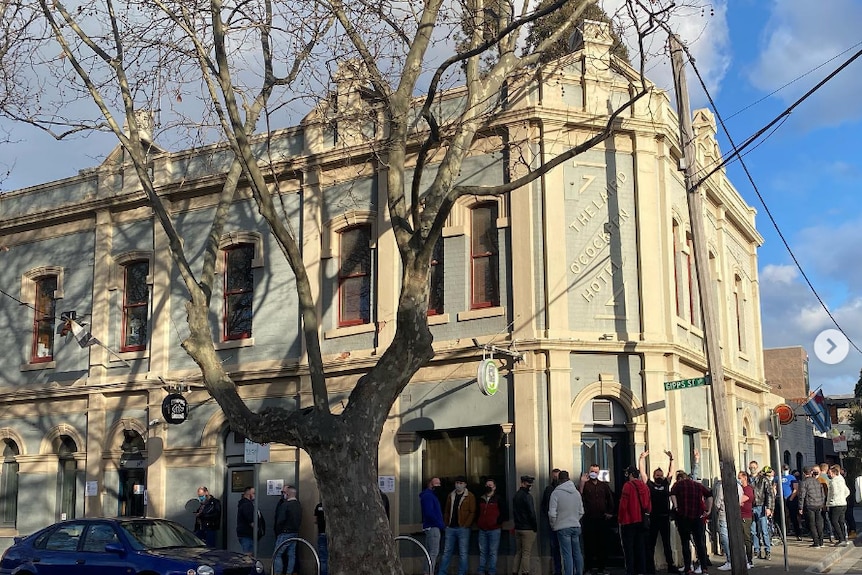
<point>132,475</point>
<point>9,484</point>
<point>67,471</point>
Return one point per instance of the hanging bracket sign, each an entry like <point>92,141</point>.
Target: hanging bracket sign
<point>488,377</point>
<point>175,408</point>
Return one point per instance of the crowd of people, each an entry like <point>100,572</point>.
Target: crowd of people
<point>579,515</point>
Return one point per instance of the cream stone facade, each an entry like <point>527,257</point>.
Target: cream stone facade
<point>596,310</point>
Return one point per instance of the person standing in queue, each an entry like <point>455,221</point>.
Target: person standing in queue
<point>459,513</point>
<point>598,510</point>
<point>207,517</point>
<point>526,525</point>
<point>432,520</point>
<point>634,504</point>
<point>659,487</point>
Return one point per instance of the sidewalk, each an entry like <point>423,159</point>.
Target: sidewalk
<point>802,559</point>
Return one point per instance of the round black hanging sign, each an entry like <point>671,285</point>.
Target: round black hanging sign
<point>175,408</point>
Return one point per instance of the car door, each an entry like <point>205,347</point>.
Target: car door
<point>57,554</point>
<point>94,560</point>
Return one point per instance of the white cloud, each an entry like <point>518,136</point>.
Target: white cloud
<point>792,316</point>
<point>779,274</point>
<point>802,35</point>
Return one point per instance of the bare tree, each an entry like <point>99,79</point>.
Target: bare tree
<point>115,55</point>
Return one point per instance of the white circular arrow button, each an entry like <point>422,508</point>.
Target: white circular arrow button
<point>831,346</point>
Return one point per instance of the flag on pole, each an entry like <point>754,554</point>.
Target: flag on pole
<point>815,408</point>
<point>83,336</point>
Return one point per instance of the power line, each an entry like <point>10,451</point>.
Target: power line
<point>736,154</point>
<point>737,150</point>
<point>793,81</point>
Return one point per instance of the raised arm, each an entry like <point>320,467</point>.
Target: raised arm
<point>642,465</point>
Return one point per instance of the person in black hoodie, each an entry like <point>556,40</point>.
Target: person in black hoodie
<point>245,521</point>
<point>526,525</point>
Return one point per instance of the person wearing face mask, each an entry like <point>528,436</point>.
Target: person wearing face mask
<point>490,522</point>
<point>458,516</point>
<point>432,519</point>
<point>598,510</point>
<point>659,488</point>
<point>526,525</point>
<point>207,517</point>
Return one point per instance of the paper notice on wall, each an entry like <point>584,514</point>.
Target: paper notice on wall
<point>91,488</point>
<point>274,486</point>
<point>605,475</point>
<point>386,483</point>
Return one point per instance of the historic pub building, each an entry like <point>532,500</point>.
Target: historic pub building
<point>584,279</point>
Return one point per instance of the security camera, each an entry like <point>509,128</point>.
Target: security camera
<point>155,422</point>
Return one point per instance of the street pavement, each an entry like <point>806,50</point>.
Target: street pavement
<point>802,559</point>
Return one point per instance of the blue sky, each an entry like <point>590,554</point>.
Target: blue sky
<point>809,171</point>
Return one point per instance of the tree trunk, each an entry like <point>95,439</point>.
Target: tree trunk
<point>360,539</point>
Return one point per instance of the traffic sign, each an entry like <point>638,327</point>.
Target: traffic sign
<point>687,383</point>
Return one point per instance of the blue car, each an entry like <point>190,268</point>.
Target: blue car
<point>121,546</point>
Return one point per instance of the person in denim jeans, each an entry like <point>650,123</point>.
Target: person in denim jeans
<point>288,518</point>
<point>491,514</point>
<point>723,538</point>
<point>432,521</point>
<point>458,515</point>
<point>564,513</point>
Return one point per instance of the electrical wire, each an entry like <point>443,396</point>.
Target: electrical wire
<point>793,81</point>
<point>736,154</point>
<point>737,150</point>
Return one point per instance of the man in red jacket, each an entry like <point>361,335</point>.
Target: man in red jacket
<point>634,503</point>
<point>491,516</point>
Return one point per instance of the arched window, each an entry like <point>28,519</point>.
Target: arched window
<point>9,484</point>
<point>67,472</point>
<point>799,461</point>
<point>786,458</point>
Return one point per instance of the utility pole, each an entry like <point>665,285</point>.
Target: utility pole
<point>726,457</point>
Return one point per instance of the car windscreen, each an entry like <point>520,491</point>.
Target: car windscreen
<point>159,535</point>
